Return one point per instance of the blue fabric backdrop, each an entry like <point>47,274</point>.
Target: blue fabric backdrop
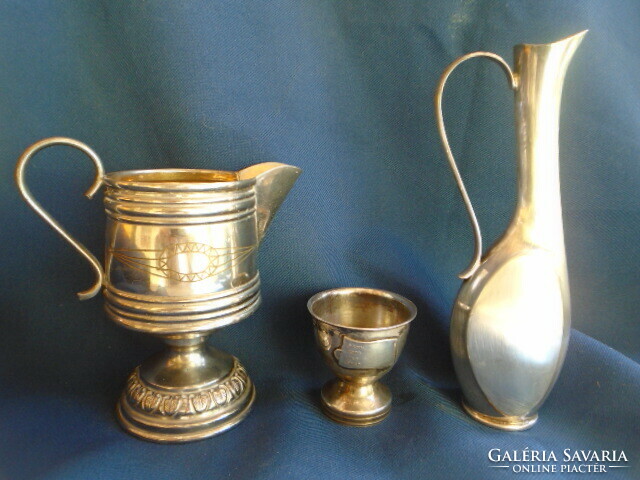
<point>342,90</point>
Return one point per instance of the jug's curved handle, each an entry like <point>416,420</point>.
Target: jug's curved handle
<point>97,183</point>
<point>477,256</point>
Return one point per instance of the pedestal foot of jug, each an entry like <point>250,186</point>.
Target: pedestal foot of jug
<point>192,404</point>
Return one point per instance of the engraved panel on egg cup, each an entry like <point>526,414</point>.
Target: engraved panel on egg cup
<point>180,292</point>
<point>360,333</point>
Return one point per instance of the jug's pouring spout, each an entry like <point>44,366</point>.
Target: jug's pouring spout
<point>556,56</point>
<point>273,182</point>
<point>571,42</point>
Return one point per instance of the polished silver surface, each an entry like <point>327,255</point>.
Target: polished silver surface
<point>180,261</point>
<point>511,320</point>
<point>360,333</point>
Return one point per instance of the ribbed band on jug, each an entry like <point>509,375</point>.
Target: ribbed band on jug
<point>128,199</point>
<point>161,316</point>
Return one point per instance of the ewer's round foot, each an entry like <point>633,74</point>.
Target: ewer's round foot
<point>183,405</point>
<point>356,405</point>
<point>512,424</point>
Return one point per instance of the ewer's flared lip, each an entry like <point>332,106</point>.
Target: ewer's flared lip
<point>330,306</point>
<point>575,36</point>
<point>174,179</point>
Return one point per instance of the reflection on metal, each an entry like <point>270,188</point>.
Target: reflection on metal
<point>510,322</point>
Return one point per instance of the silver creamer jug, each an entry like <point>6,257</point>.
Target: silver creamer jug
<point>180,261</point>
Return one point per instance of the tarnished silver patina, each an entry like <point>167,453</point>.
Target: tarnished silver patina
<point>180,262</point>
<point>360,333</point>
<point>511,319</point>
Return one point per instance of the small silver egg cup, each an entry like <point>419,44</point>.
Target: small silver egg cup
<point>360,333</point>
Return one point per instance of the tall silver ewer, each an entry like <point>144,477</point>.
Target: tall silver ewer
<point>511,320</point>
<point>180,262</point>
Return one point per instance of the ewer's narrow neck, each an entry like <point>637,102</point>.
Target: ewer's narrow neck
<point>540,71</point>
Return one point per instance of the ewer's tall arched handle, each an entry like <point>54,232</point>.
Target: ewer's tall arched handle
<point>97,183</point>
<point>477,256</point>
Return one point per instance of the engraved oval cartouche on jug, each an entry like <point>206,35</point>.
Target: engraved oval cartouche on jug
<point>511,320</point>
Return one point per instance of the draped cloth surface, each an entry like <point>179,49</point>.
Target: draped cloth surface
<point>342,90</point>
